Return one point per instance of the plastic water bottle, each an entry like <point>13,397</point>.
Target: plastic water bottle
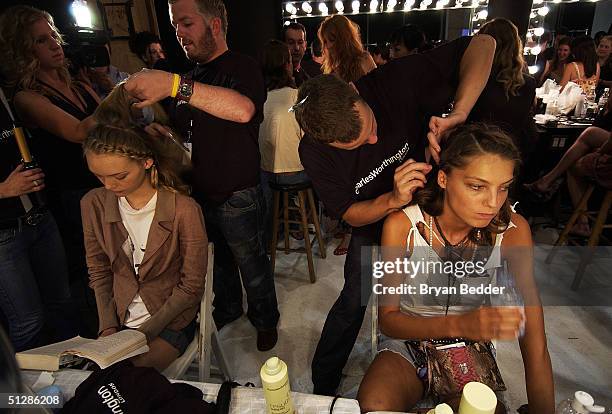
<point>603,101</point>
<point>511,295</point>
<point>582,403</point>
<point>581,107</point>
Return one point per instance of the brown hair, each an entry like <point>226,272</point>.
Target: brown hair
<point>326,109</point>
<point>563,41</point>
<point>211,9</point>
<point>583,49</point>
<point>463,144</point>
<point>18,63</point>
<point>508,63</point>
<point>116,109</point>
<point>342,49</point>
<point>275,60</point>
<point>137,145</point>
<point>116,133</point>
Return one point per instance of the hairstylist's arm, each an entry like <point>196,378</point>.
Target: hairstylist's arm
<point>100,273</point>
<point>193,250</point>
<point>474,72</point>
<point>408,177</point>
<point>152,86</point>
<point>38,112</point>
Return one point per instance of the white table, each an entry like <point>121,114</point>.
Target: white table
<point>244,399</point>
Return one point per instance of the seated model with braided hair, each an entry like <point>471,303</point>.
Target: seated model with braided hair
<point>144,237</point>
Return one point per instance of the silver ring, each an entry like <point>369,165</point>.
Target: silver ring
<point>36,184</point>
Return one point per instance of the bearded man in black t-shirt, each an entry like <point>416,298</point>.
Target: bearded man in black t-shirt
<point>218,108</point>
<point>364,150</point>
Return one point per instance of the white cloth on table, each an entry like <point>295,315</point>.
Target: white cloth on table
<point>244,400</point>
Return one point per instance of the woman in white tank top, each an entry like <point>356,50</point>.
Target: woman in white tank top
<point>463,215</point>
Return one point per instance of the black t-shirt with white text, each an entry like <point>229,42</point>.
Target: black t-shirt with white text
<point>10,207</point>
<point>225,154</point>
<point>403,95</point>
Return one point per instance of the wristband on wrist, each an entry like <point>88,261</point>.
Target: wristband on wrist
<point>185,89</point>
<point>176,80</point>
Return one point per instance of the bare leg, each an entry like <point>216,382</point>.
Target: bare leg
<point>590,139</point>
<point>390,384</point>
<point>577,186</point>
<point>161,354</point>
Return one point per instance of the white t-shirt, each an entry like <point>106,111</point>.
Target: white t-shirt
<point>279,133</point>
<point>137,224</point>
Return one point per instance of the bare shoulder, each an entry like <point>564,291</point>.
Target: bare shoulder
<point>520,234</point>
<point>25,98</point>
<point>396,228</point>
<point>367,63</point>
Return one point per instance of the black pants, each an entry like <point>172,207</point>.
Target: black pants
<point>344,319</point>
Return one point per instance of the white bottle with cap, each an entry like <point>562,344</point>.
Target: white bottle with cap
<point>275,383</point>
<point>441,409</point>
<point>477,398</point>
<point>582,403</point>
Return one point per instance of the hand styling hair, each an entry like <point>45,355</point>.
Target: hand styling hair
<point>459,149</point>
<point>117,133</point>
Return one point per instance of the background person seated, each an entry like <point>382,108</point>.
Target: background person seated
<point>555,68</point>
<point>279,134</point>
<point>462,208</point>
<point>584,68</point>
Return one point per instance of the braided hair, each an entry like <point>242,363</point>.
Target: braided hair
<point>137,145</point>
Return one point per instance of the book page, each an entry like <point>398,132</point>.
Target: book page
<point>57,348</point>
<point>47,357</point>
<point>108,348</point>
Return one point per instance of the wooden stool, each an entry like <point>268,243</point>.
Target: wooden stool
<point>598,218</point>
<point>305,195</point>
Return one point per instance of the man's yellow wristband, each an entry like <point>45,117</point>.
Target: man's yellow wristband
<point>176,80</point>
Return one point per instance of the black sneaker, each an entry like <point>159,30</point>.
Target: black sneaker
<point>266,340</point>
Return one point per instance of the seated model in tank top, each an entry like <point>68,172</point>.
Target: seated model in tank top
<point>461,216</point>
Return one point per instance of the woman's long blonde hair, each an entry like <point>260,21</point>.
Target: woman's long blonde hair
<point>18,63</point>
<point>117,133</point>
<point>342,49</point>
<point>508,63</point>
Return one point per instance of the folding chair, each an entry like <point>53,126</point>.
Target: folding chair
<point>206,338</point>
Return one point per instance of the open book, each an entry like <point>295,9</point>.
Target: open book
<point>104,351</point>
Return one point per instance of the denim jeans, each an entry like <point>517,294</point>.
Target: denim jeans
<point>34,283</point>
<point>344,318</point>
<point>236,227</point>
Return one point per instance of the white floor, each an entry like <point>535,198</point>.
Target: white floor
<point>579,338</point>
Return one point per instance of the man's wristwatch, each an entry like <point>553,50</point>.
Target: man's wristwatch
<point>185,89</point>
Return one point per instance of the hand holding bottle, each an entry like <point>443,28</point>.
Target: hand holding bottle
<point>22,181</point>
<point>487,323</point>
